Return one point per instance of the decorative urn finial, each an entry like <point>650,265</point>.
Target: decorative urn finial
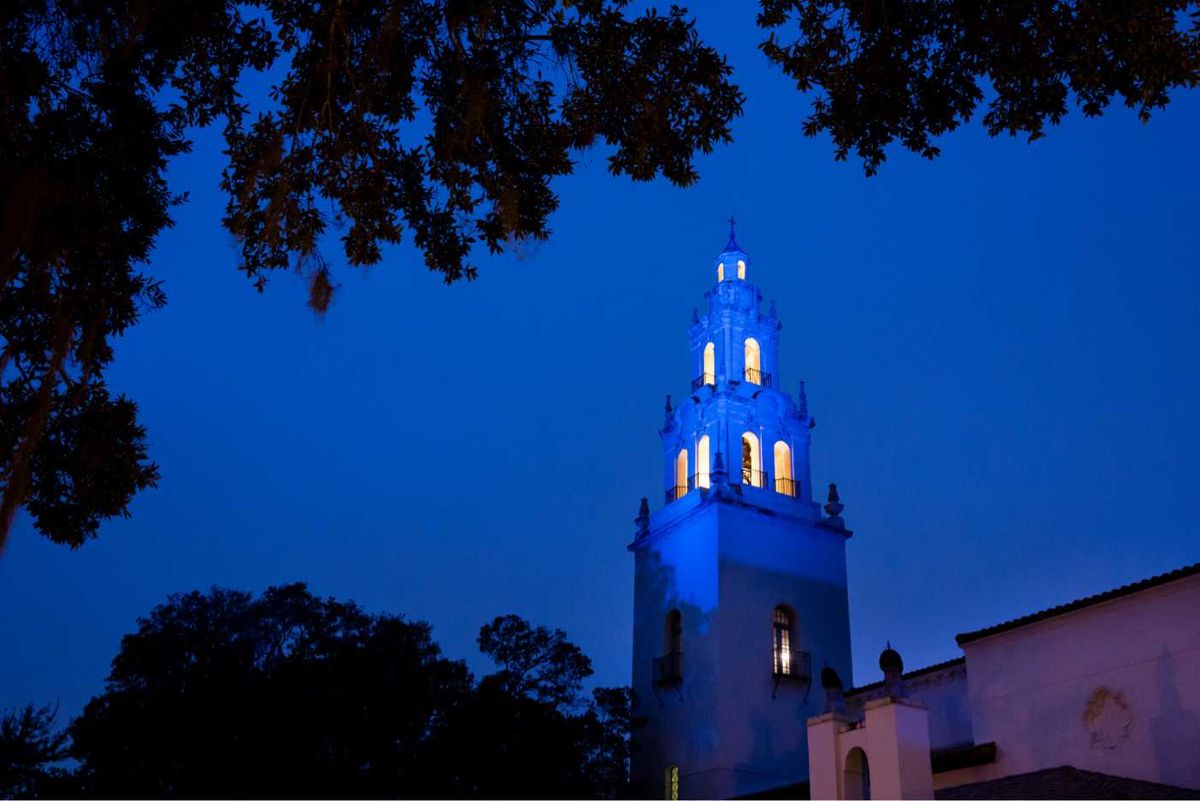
<point>834,508</point>
<point>893,671</point>
<point>643,518</point>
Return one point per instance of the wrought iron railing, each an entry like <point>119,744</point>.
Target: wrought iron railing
<point>755,478</point>
<point>786,486</point>
<point>701,480</point>
<point>668,669</point>
<point>675,493</point>
<point>792,664</point>
<point>758,377</point>
<point>701,380</point>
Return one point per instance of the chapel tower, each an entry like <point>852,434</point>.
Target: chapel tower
<point>740,581</point>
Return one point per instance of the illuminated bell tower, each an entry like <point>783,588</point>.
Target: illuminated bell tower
<point>740,580</point>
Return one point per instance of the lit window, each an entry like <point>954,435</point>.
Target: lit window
<point>709,373</point>
<point>741,270</point>
<point>753,361</point>
<point>673,783</point>
<point>751,474</point>
<point>783,469</point>
<point>783,629</point>
<point>720,272</point>
<point>681,474</point>
<point>702,464</point>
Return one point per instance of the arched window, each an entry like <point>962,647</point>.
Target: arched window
<point>681,474</point>
<point>783,629</point>
<point>753,361</point>
<point>703,466</point>
<point>751,472</point>
<point>720,272</point>
<point>674,632</point>
<point>709,372</point>
<point>741,270</point>
<point>783,469</point>
<point>857,778</point>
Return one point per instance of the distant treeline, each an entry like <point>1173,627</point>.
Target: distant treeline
<point>224,694</point>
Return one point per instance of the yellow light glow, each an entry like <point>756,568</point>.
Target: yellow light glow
<point>751,472</point>
<point>720,272</point>
<point>681,473</point>
<point>753,361</point>
<point>702,463</point>
<point>741,270</point>
<point>710,363</point>
<point>783,641</point>
<point>783,469</point>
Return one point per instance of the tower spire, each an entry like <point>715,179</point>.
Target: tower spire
<point>732,245</point>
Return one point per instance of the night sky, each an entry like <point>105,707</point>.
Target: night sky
<point>1000,349</point>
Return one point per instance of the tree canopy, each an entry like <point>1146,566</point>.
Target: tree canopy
<point>224,694</point>
<point>443,121</point>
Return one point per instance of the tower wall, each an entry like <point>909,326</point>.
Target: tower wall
<point>742,552</point>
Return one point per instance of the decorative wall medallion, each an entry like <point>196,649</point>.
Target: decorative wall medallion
<point>1108,718</point>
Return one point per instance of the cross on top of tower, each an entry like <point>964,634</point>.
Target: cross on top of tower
<point>732,245</point>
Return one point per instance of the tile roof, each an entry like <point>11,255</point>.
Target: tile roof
<point>1064,782</point>
<point>912,674</point>
<point>1091,600</point>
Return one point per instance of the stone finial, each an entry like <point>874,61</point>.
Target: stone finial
<point>893,672</point>
<point>834,507</point>
<point>695,316</point>
<point>668,404</point>
<point>831,682</point>
<point>643,518</point>
<point>802,402</point>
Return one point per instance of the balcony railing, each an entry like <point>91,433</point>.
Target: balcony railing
<point>668,669</point>
<point>675,493</point>
<point>755,478</point>
<point>786,486</point>
<point>792,665</point>
<point>758,377</point>
<point>706,378</point>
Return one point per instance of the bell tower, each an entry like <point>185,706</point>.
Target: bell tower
<point>740,580</point>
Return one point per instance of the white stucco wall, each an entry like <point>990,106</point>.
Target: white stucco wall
<point>1113,688</point>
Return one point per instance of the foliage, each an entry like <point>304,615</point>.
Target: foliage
<point>443,118</point>
<point>29,748</point>
<point>223,694</point>
<point>892,70</point>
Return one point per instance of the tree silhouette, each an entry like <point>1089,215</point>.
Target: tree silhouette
<point>222,694</point>
<point>439,120</point>
<point>889,70</point>
<point>443,120</point>
<point>29,748</point>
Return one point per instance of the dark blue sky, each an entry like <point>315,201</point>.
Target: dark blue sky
<point>1000,349</point>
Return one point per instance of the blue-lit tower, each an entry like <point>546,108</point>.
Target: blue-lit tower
<point>740,580</point>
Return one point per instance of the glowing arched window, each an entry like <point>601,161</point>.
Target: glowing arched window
<point>751,472</point>
<point>741,270</point>
<point>783,629</point>
<point>753,361</point>
<point>720,272</point>
<point>783,469</point>
<point>681,474</point>
<point>857,777</point>
<point>709,372</point>
<point>702,463</point>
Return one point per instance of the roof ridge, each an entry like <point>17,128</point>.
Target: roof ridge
<point>1080,603</point>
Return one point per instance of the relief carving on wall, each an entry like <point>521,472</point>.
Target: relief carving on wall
<point>1108,718</point>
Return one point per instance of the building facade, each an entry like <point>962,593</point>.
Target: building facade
<point>741,641</point>
<point>740,580</point>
